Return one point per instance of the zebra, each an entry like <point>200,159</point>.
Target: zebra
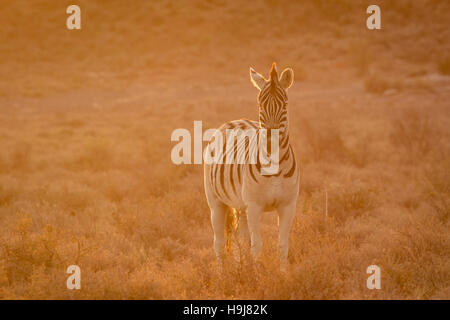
<point>241,190</point>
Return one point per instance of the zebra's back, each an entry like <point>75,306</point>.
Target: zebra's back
<point>225,180</point>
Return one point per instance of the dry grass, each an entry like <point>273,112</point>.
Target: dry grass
<point>378,84</point>
<point>444,65</point>
<point>85,170</point>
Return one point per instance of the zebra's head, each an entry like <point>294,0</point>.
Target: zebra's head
<point>272,97</point>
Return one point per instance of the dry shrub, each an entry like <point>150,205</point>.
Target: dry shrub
<point>6,196</point>
<point>413,130</point>
<point>333,8</point>
<point>444,65</point>
<point>361,57</point>
<point>142,284</point>
<point>325,144</point>
<point>319,259</point>
<point>3,164</point>
<point>350,200</point>
<point>20,158</point>
<point>409,263</point>
<point>378,84</point>
<point>360,153</point>
<point>26,250</point>
<point>118,186</point>
<point>171,249</point>
<point>437,189</point>
<point>96,155</point>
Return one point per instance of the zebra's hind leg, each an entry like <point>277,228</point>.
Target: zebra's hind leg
<point>243,226</point>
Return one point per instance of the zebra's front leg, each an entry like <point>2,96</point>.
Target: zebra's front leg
<point>286,215</point>
<point>254,226</point>
<point>218,220</point>
<point>243,236</point>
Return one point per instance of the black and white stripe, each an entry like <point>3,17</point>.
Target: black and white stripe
<point>244,189</point>
<point>226,179</point>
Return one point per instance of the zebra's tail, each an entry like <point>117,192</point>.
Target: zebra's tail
<point>230,228</point>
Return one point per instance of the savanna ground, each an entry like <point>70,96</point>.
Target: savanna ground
<point>86,118</point>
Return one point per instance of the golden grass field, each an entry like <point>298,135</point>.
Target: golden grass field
<point>86,118</point>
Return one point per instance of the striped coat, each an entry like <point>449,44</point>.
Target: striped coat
<point>237,181</point>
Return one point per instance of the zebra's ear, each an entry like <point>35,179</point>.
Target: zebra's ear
<point>286,78</point>
<point>257,79</point>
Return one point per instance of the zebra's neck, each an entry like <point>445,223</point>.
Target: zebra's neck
<point>283,134</point>
<point>286,159</point>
